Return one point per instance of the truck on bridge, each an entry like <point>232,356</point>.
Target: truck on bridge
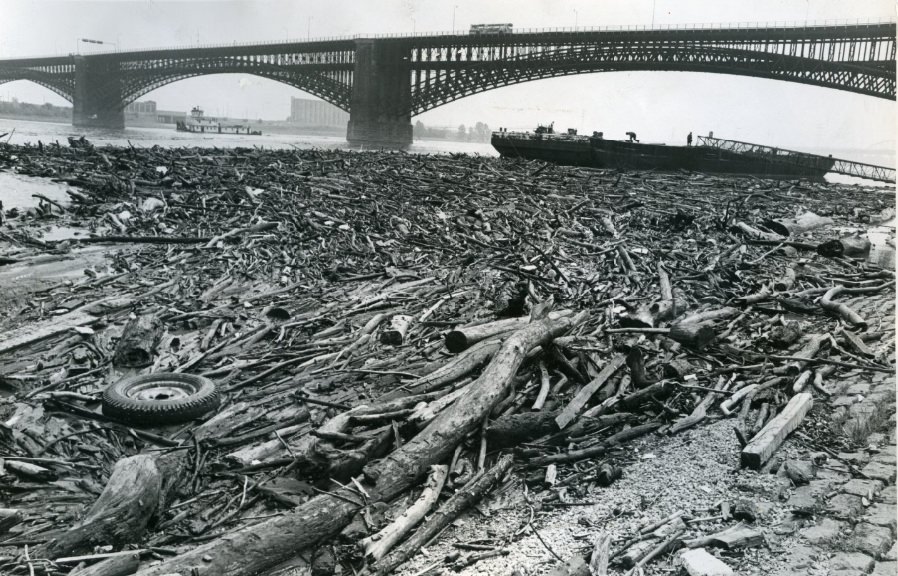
<point>490,29</point>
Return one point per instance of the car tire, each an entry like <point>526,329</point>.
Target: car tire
<point>161,398</point>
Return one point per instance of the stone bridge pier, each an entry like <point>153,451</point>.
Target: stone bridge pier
<point>97,99</point>
<point>381,95</point>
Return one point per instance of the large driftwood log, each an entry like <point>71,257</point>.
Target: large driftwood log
<point>254,549</point>
<point>137,346</point>
<point>465,363</point>
<point>120,514</point>
<point>461,338</point>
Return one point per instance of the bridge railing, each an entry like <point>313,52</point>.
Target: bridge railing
<point>572,29</point>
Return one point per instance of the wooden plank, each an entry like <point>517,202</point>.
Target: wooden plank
<point>29,333</point>
<point>576,405</point>
<point>854,341</point>
<point>765,443</point>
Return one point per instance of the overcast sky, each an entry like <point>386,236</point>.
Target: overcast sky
<point>659,106</point>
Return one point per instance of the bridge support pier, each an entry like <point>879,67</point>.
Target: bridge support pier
<point>98,94</point>
<point>381,96</point>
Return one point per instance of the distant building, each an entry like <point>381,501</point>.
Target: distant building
<point>141,108</point>
<point>308,112</point>
<point>170,117</point>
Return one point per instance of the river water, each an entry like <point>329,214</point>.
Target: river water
<point>31,132</point>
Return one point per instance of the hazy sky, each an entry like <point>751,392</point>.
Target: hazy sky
<point>659,106</point>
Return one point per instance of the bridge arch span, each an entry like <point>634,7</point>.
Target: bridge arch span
<point>53,84</point>
<point>315,83</point>
<point>453,84</point>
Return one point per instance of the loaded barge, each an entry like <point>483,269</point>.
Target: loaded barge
<point>711,155</point>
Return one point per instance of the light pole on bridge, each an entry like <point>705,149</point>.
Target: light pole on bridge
<point>454,8</point>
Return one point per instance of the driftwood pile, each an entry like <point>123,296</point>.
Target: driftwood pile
<point>378,320</point>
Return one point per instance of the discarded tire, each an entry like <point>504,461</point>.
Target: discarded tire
<point>161,398</point>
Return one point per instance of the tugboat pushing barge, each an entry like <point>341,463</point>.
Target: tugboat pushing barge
<point>711,155</point>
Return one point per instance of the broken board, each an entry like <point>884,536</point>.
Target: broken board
<point>765,443</point>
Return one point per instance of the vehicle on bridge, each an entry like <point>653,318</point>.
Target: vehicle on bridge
<point>711,155</point>
<point>491,29</point>
<point>198,123</point>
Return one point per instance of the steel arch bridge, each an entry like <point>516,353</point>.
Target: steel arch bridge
<point>383,82</point>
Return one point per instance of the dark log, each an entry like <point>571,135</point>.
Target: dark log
<point>120,515</point>
<point>849,247</point>
<point>137,346</point>
<point>636,364</point>
<point>811,346</point>
<point>343,465</point>
<point>472,492</point>
<point>695,336</point>
<point>657,390</point>
<point>597,450</point>
<point>512,429</point>
<point>254,549</point>
<point>564,365</point>
<point>798,225</point>
<point>607,474</point>
<point>586,425</point>
<point>643,317</point>
<point>784,335</point>
<point>511,299</point>
<point>678,368</point>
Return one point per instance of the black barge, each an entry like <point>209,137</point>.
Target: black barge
<point>711,155</point>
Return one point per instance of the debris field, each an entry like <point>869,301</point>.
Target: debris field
<point>309,361</point>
